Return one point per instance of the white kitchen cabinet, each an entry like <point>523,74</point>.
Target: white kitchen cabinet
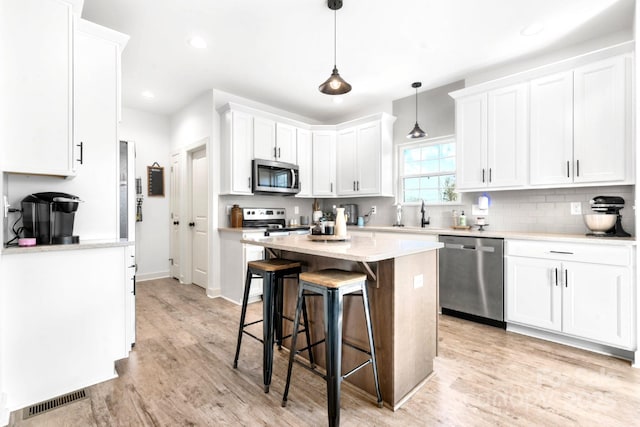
<point>37,87</point>
<point>96,85</point>
<point>130,295</point>
<point>583,291</point>
<point>364,163</point>
<point>551,122</point>
<point>273,140</point>
<point>305,162</point>
<point>579,125</point>
<point>236,151</point>
<point>324,163</point>
<point>491,129</point>
<point>64,319</point>
<point>235,258</point>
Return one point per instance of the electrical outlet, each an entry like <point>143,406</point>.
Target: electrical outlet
<point>6,206</point>
<point>296,210</point>
<point>373,210</point>
<point>576,208</point>
<point>418,281</point>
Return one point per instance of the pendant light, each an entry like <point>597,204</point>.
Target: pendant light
<point>416,132</point>
<point>334,85</point>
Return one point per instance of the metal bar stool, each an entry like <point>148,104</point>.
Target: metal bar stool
<point>273,271</point>
<point>333,285</point>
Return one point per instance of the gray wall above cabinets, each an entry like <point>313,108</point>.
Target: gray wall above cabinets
<point>436,112</point>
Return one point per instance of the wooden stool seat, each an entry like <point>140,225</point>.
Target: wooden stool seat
<point>333,278</point>
<point>274,264</point>
<point>333,285</point>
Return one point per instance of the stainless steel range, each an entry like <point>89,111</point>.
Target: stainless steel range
<point>273,219</point>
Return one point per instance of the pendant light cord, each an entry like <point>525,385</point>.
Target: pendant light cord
<point>416,105</point>
<point>335,36</point>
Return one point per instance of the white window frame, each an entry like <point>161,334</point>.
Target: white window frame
<point>400,166</point>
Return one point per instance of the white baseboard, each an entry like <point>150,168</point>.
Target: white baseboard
<point>151,276</point>
<point>214,293</point>
<point>4,411</point>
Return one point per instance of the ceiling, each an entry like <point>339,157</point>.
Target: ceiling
<point>278,52</point>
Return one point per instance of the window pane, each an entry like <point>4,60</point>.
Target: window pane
<point>430,196</point>
<point>412,168</point>
<point>411,155</point>
<point>429,182</point>
<point>448,187</point>
<point>430,153</point>
<point>430,166</point>
<point>447,150</point>
<point>411,196</point>
<point>447,165</point>
<point>411,183</point>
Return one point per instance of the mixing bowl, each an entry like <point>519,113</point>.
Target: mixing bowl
<point>600,223</point>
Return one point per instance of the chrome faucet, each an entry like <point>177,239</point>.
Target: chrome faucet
<point>424,221</point>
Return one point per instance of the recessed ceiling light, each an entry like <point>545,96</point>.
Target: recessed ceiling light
<point>532,29</point>
<point>148,94</point>
<point>197,42</point>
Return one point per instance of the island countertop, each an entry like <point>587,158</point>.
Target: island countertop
<point>358,248</point>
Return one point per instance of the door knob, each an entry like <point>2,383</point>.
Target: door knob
<point>192,224</point>
<point>176,222</point>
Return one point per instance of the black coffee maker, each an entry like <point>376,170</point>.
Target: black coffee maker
<point>49,217</point>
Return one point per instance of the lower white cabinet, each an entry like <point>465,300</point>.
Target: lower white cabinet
<point>64,321</point>
<point>582,290</point>
<point>130,295</point>
<point>234,258</point>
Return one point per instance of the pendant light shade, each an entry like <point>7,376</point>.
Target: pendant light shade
<point>416,132</point>
<point>334,85</point>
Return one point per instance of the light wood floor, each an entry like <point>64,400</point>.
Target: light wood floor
<point>180,374</point>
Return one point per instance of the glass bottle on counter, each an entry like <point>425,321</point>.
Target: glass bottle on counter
<point>236,216</point>
<point>454,218</point>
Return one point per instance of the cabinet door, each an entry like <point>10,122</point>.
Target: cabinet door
<point>369,152</point>
<point>36,87</point>
<point>264,139</point>
<point>286,143</point>
<point>600,144</point>
<point>324,163</point>
<point>241,152</point>
<point>346,162</point>
<point>534,292</point>
<point>598,303</point>
<point>551,146</point>
<point>304,162</point>
<point>471,132</point>
<point>507,136</point>
<point>95,126</point>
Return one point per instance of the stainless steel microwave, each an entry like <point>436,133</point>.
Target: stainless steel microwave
<point>273,177</point>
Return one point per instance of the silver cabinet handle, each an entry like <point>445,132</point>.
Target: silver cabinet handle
<point>278,152</point>
<point>556,270</point>
<point>561,252</point>
<point>331,189</point>
<point>489,174</point>
<point>354,186</point>
<point>577,167</point>
<point>249,180</point>
<point>483,175</point>
<point>275,154</point>
<point>567,168</point>
<point>358,185</point>
<point>566,278</point>
<point>81,159</point>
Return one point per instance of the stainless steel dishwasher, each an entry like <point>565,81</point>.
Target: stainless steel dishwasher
<point>472,278</point>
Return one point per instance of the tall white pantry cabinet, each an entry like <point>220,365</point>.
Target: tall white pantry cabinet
<point>65,311</point>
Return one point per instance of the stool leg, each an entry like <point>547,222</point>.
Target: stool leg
<point>367,314</point>
<point>305,319</point>
<point>333,347</point>
<point>268,303</point>
<point>294,338</point>
<point>278,310</point>
<point>243,314</point>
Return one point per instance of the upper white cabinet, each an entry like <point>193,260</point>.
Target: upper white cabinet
<point>491,133</point>
<point>585,291</point>
<point>274,141</point>
<point>567,128</point>
<point>580,125</point>
<point>305,162</point>
<point>96,83</point>
<point>324,163</point>
<point>36,87</point>
<point>365,161</point>
<point>236,151</point>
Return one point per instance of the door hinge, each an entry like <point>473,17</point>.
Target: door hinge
<point>171,261</point>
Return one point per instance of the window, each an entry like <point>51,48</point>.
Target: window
<point>427,171</point>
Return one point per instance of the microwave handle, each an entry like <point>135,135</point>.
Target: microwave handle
<point>294,178</point>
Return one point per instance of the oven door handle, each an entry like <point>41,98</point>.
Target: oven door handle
<point>293,178</point>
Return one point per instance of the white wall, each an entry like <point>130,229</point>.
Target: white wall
<point>151,135</point>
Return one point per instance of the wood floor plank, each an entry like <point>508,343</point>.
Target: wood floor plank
<point>180,374</point>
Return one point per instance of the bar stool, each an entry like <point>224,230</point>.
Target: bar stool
<point>333,285</point>
<point>273,272</point>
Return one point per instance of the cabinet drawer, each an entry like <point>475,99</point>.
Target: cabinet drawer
<point>593,253</point>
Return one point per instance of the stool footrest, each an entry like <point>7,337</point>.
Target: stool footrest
<point>357,368</point>
<point>362,350</point>
<point>253,336</point>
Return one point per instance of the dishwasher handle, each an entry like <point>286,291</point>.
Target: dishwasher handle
<point>459,246</point>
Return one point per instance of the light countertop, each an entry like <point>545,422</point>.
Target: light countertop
<point>88,244</point>
<point>358,248</point>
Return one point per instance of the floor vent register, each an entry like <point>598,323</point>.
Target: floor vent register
<point>56,402</point>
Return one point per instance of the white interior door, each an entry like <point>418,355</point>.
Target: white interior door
<point>175,216</point>
<point>200,217</point>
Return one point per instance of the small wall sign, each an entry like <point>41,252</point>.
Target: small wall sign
<point>155,180</point>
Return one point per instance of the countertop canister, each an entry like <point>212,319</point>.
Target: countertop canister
<point>341,223</point>
<point>236,216</point>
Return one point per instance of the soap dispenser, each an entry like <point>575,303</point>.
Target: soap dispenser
<point>462,220</point>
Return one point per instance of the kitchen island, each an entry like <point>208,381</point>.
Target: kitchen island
<point>402,276</point>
